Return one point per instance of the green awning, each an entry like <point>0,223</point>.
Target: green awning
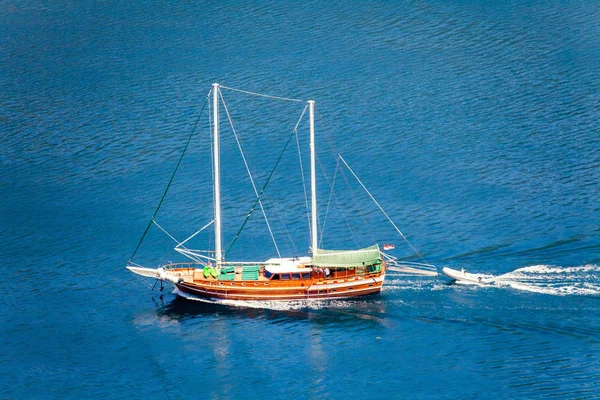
<point>347,258</point>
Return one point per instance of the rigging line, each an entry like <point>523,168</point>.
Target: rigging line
<point>327,137</point>
<point>333,152</point>
<point>145,281</point>
<point>300,119</point>
<point>329,201</point>
<point>135,264</point>
<point>167,233</point>
<point>303,185</point>
<point>382,210</point>
<point>302,171</point>
<point>287,232</point>
<point>262,95</point>
<point>356,204</point>
<point>275,208</point>
<point>170,180</point>
<point>258,198</point>
<point>180,247</point>
<point>139,278</point>
<point>339,207</point>
<point>201,229</point>
<point>286,239</point>
<point>197,253</point>
<point>249,174</point>
<point>338,203</point>
<point>196,257</point>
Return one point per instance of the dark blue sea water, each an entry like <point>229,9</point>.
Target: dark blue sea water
<point>475,124</point>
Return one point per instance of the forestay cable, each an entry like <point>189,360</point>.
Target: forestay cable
<point>170,180</point>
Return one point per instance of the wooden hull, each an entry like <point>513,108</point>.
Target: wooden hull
<point>247,290</point>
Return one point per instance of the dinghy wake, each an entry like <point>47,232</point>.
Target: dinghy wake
<point>581,280</point>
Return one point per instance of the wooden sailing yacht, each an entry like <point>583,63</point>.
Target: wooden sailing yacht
<point>326,274</point>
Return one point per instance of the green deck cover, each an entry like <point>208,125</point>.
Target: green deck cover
<point>226,277</point>
<point>250,273</point>
<point>227,270</point>
<point>347,258</point>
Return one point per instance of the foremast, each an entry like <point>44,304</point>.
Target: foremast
<point>217,176</point>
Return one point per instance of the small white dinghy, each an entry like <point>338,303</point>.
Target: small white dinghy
<point>466,278</point>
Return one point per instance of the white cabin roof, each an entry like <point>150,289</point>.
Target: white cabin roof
<point>283,265</point>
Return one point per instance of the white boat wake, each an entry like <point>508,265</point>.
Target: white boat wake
<point>555,280</point>
<point>277,305</point>
<point>550,279</point>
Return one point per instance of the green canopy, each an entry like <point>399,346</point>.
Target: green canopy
<point>347,258</point>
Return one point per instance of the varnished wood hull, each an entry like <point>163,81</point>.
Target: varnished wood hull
<point>318,291</point>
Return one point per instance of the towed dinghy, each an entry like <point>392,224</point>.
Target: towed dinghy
<point>464,277</point>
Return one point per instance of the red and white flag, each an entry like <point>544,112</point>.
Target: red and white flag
<point>388,247</point>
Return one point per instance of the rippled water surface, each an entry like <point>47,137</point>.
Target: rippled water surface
<point>476,125</point>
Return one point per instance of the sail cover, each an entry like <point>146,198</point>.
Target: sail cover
<point>347,258</point>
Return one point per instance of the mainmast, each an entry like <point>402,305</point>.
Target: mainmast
<point>217,175</point>
<point>313,178</point>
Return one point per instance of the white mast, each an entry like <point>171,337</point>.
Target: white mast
<point>217,175</point>
<point>313,178</point>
